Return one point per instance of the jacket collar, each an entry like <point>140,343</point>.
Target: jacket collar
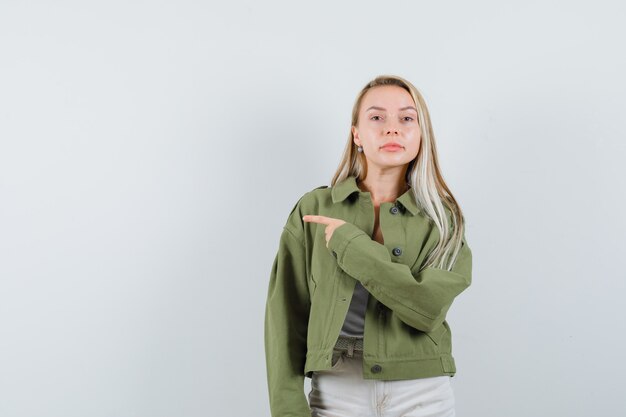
<point>348,186</point>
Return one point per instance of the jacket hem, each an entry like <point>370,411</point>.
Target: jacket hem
<point>389,369</point>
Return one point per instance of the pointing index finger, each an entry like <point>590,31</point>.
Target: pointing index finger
<point>315,219</point>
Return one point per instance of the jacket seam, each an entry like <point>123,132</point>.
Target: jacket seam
<point>293,234</point>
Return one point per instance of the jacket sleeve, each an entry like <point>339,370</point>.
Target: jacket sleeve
<point>286,322</point>
<point>421,300</point>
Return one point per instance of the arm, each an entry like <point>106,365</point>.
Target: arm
<point>421,300</point>
<point>286,322</point>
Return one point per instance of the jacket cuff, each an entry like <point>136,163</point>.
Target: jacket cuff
<point>341,238</point>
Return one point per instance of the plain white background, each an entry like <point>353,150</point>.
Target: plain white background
<point>151,151</point>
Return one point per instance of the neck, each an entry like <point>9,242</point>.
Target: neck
<point>383,188</point>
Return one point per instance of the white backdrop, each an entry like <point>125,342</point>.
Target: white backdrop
<point>150,153</point>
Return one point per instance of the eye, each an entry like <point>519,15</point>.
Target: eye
<point>375,118</point>
<point>410,119</point>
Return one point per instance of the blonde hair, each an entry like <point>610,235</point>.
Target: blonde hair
<point>423,174</point>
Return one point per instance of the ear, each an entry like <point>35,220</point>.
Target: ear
<point>355,134</point>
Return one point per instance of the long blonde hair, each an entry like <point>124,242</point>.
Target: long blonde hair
<point>423,174</point>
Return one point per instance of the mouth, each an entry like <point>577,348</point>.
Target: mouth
<point>394,147</point>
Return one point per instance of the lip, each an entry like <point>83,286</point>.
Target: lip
<point>391,146</point>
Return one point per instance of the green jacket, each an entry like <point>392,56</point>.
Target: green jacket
<point>311,285</point>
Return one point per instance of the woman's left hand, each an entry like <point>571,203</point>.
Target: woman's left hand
<point>330,222</point>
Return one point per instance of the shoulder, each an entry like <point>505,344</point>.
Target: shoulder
<point>314,198</point>
<point>307,203</point>
<point>316,195</point>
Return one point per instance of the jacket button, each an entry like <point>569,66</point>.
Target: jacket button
<point>335,254</point>
<point>397,251</point>
<point>376,369</point>
<point>394,210</point>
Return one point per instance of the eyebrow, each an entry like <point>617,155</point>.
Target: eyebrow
<point>383,109</point>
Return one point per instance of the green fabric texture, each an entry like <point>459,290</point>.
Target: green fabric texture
<point>406,334</point>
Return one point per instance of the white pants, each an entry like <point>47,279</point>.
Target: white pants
<point>342,392</point>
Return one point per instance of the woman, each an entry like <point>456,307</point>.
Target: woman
<point>366,271</point>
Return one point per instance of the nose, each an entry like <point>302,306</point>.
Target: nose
<point>391,128</point>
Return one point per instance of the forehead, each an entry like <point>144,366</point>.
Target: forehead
<point>390,97</point>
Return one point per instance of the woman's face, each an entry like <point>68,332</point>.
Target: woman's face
<point>387,115</point>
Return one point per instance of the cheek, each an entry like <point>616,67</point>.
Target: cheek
<point>416,140</point>
<point>368,135</point>
<point>415,134</point>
